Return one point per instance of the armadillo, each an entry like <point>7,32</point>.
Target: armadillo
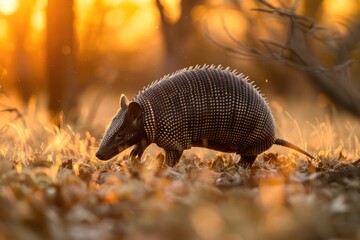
<point>202,106</point>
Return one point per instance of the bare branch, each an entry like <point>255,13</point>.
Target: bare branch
<point>296,52</point>
<point>19,115</point>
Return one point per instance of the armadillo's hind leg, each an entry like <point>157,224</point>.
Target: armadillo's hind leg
<point>172,157</point>
<point>246,161</point>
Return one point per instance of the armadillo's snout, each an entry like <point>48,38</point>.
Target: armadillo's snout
<point>106,153</point>
<point>102,156</point>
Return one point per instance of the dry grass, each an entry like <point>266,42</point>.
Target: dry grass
<point>52,187</point>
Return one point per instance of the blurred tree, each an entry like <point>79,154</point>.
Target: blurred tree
<point>293,44</point>
<point>20,27</point>
<point>312,8</point>
<point>175,35</point>
<point>61,69</point>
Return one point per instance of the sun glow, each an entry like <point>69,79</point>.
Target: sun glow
<point>131,23</point>
<point>8,7</point>
<point>343,8</point>
<point>3,29</point>
<point>38,20</point>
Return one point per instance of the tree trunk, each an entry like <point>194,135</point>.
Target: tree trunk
<point>176,35</point>
<point>61,70</point>
<point>20,27</point>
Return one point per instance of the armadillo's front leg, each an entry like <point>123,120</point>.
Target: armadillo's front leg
<point>172,157</point>
<point>246,161</point>
<point>137,151</point>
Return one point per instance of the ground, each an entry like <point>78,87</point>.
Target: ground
<point>53,187</point>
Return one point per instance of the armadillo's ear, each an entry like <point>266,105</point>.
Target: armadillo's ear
<point>123,101</point>
<point>135,110</point>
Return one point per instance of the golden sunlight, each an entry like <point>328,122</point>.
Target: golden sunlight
<point>172,9</point>
<point>38,17</point>
<point>3,29</point>
<point>8,7</point>
<point>220,18</point>
<point>340,8</point>
<point>132,24</point>
<point>38,21</point>
<point>337,12</point>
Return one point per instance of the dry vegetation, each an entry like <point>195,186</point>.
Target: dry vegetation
<point>52,187</point>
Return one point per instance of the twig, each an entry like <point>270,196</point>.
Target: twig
<point>335,81</point>
<point>19,115</point>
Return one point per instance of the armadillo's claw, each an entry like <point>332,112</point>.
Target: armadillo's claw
<point>137,151</point>
<point>245,162</point>
<point>172,157</point>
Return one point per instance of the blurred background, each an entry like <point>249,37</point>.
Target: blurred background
<point>77,56</point>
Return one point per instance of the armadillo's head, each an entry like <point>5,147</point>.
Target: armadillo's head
<point>125,130</point>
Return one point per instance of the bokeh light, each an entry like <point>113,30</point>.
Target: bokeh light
<point>8,7</point>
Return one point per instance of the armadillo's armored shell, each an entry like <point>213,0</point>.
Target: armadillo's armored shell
<point>207,106</point>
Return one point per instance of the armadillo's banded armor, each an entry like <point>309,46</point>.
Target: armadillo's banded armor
<point>207,106</point>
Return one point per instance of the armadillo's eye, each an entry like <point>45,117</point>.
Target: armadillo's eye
<point>119,135</point>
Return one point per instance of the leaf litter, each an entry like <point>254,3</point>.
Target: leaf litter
<point>52,187</point>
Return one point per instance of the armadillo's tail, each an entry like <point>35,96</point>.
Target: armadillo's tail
<point>285,143</point>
